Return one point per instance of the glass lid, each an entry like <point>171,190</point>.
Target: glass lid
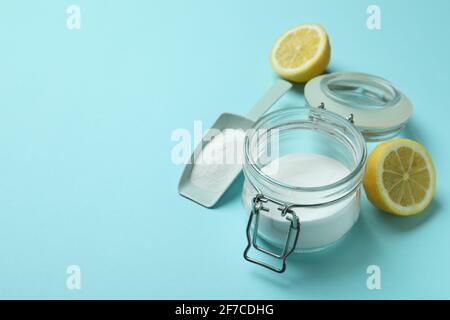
<point>374,105</point>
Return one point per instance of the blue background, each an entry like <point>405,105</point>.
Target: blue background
<point>86,118</point>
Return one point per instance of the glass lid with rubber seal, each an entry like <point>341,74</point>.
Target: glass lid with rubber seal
<point>375,106</point>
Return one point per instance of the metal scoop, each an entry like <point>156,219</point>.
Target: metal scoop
<point>205,183</point>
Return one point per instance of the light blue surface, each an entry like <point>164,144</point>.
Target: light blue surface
<point>86,176</point>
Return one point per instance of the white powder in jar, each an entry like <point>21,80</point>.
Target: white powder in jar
<point>320,226</point>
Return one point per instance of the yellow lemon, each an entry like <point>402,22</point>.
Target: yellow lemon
<point>400,177</point>
<point>301,53</point>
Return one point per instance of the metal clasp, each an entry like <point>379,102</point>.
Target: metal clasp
<point>286,211</point>
<point>350,118</point>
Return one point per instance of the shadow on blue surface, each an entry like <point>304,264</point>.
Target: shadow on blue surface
<point>409,223</point>
<point>357,249</point>
<point>344,257</point>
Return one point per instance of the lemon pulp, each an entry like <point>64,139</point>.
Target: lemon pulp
<point>400,177</point>
<point>301,53</point>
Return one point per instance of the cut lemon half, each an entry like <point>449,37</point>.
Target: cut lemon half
<point>301,53</point>
<point>400,177</point>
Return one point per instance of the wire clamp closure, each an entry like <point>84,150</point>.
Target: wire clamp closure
<point>258,205</point>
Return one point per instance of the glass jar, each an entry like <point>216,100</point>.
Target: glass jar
<point>303,166</point>
<point>278,209</point>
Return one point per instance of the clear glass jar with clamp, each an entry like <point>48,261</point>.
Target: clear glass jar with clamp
<point>304,166</point>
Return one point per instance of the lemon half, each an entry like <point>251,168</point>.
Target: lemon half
<point>400,177</point>
<point>301,53</point>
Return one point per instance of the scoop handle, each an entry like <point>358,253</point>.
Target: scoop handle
<point>275,92</point>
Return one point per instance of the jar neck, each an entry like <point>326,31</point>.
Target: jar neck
<point>309,120</point>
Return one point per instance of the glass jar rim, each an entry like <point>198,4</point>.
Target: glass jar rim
<point>344,122</point>
<point>376,83</point>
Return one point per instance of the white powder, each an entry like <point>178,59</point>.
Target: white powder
<point>306,170</point>
<point>220,161</point>
<point>320,226</point>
